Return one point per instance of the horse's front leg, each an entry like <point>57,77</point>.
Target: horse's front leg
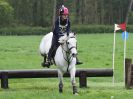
<point>60,76</point>
<point>73,81</point>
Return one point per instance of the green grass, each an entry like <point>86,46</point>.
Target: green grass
<point>95,50</point>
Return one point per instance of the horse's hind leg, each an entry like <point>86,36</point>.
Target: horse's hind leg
<point>73,81</point>
<point>60,76</point>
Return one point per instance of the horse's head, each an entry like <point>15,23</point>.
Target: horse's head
<point>69,43</point>
<point>72,43</point>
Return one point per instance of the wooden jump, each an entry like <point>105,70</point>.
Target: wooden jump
<point>50,73</point>
<point>128,73</point>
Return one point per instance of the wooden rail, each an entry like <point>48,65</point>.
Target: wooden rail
<point>128,73</point>
<point>81,73</point>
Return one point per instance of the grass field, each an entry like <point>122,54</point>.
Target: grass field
<point>95,50</point>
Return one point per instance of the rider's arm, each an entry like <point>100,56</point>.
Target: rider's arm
<point>68,27</point>
<point>57,30</point>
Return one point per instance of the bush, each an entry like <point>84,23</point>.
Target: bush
<point>86,29</point>
<point>92,28</point>
<point>6,13</point>
<point>98,29</point>
<point>24,31</point>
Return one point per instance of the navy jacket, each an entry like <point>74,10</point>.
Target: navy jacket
<point>61,27</point>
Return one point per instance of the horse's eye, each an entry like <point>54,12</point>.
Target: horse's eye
<point>67,42</point>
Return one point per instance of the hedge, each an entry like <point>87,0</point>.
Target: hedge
<point>86,29</point>
<point>24,31</point>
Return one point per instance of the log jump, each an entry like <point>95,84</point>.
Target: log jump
<point>51,73</point>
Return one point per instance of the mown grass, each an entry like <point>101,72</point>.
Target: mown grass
<point>95,50</point>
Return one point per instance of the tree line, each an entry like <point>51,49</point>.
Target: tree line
<point>43,12</point>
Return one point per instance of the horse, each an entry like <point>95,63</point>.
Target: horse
<point>65,57</point>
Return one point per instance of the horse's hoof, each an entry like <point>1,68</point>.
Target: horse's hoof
<point>76,94</point>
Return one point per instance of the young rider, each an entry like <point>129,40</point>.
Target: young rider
<point>62,25</point>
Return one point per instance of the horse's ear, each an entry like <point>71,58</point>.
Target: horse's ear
<point>74,33</point>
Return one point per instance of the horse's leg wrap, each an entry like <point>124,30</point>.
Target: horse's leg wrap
<point>75,90</point>
<point>60,87</point>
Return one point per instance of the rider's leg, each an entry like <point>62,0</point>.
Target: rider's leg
<point>47,63</point>
<point>77,61</point>
<point>52,50</point>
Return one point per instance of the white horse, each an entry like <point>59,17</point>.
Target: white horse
<point>65,56</point>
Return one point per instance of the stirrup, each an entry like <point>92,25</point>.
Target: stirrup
<point>46,64</point>
<point>78,63</point>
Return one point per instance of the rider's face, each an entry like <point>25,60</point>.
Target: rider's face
<point>64,17</point>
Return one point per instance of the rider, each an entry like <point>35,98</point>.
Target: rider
<point>62,25</point>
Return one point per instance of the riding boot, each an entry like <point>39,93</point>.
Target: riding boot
<point>48,60</point>
<point>54,46</point>
<point>78,62</point>
<point>47,63</point>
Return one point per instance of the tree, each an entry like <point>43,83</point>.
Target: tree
<point>6,13</point>
<point>129,10</point>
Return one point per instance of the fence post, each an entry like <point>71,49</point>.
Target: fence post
<point>83,79</point>
<point>4,80</point>
<point>128,72</point>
